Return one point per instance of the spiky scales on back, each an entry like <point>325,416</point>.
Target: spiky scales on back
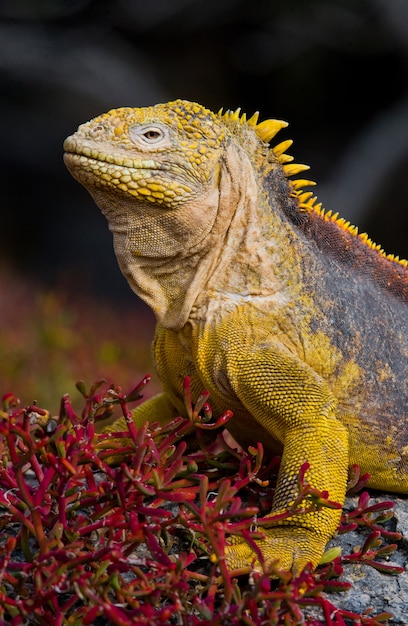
<point>283,311</point>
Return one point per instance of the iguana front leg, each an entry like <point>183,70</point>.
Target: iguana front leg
<point>297,408</point>
<point>157,409</point>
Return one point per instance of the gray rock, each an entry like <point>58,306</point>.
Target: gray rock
<point>371,588</point>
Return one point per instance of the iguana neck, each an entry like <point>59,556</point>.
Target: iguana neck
<point>256,262</point>
<point>167,276</point>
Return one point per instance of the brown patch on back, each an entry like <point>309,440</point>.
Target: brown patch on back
<point>349,249</point>
<point>338,239</point>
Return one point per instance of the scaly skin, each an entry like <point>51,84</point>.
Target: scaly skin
<point>283,312</point>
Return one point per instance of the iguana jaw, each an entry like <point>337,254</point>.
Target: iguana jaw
<point>143,179</point>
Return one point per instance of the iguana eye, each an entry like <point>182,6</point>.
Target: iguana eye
<point>148,135</point>
<point>152,134</point>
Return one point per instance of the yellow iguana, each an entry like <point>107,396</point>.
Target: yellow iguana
<point>286,314</point>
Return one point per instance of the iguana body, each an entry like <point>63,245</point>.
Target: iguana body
<point>283,312</point>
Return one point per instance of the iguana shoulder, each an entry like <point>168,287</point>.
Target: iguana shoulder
<point>286,313</point>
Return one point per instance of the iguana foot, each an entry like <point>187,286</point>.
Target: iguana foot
<point>292,548</point>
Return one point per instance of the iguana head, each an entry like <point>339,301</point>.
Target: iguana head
<point>164,155</point>
<point>160,156</point>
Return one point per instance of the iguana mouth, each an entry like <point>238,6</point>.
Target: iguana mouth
<point>109,170</point>
<point>137,177</point>
<point>88,156</point>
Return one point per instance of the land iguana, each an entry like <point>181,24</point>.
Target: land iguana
<point>284,312</point>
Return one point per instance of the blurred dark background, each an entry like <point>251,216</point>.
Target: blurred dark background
<point>337,70</point>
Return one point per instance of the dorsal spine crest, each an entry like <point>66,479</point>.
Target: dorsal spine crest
<point>307,202</point>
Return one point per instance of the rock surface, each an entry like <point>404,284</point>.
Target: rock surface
<point>371,588</point>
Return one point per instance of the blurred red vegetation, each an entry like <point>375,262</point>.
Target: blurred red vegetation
<point>49,339</point>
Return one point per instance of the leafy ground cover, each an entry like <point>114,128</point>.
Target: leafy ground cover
<point>142,541</point>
